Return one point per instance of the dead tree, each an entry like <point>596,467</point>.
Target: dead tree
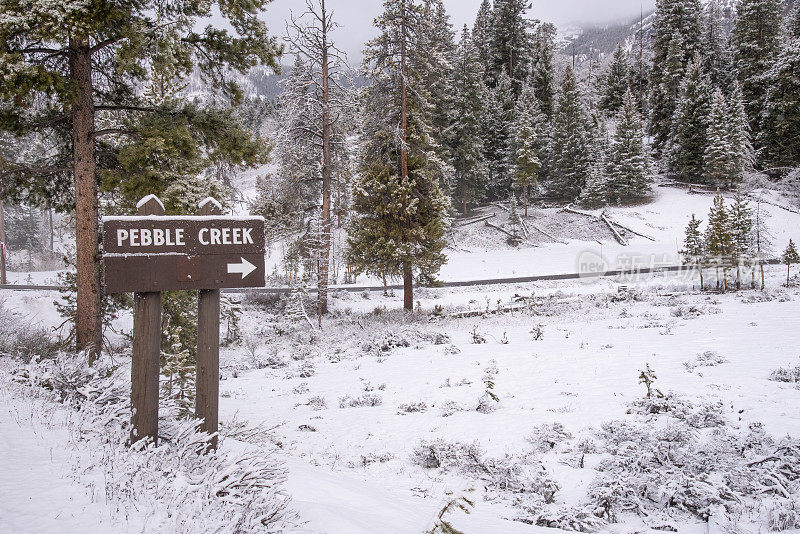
<point>328,104</point>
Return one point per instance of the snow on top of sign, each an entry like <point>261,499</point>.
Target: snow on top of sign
<point>147,199</point>
<point>212,218</point>
<point>211,200</point>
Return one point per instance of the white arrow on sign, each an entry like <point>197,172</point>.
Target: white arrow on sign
<point>244,268</point>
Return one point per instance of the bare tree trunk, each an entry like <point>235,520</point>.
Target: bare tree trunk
<point>3,279</point>
<point>408,273</point>
<point>52,230</point>
<point>88,327</point>
<point>763,285</point>
<point>325,250</point>
<point>700,272</point>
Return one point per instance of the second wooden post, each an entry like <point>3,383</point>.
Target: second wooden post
<point>207,382</point>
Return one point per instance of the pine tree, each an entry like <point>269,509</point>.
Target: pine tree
<point>694,250</point>
<point>514,221</point>
<point>482,32</point>
<point>789,257</point>
<point>779,135</point>
<point>630,172</point>
<point>794,23</point>
<point>718,164</point>
<point>677,31</point>
<point>73,73</point>
<point>595,193</point>
<point>529,126</point>
<point>436,73</point>
<point>511,43</point>
<point>466,143</point>
<point>690,124</point>
<point>543,45</point>
<point>762,239</point>
<point>570,161</point>
<point>756,42</point>
<point>497,137</point>
<point>719,238</point>
<point>742,225</point>
<point>402,213</point>
<point>717,60</point>
<point>179,370</point>
<point>614,84</point>
<point>743,157</point>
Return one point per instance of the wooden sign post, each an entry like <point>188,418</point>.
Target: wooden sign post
<point>151,253</point>
<point>207,380</point>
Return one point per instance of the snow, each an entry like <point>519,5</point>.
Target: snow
<point>408,380</point>
<point>212,201</point>
<point>147,199</point>
<point>38,492</point>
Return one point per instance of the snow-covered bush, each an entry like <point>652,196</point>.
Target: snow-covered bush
<point>412,407</point>
<point>505,475</point>
<point>449,408</point>
<point>21,340</point>
<point>785,514</point>
<point>571,519</point>
<point>178,486</point>
<point>546,437</point>
<point>367,399</point>
<point>786,374</point>
<point>708,358</point>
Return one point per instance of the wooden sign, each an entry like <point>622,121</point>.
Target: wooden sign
<point>151,253</point>
<point>158,253</point>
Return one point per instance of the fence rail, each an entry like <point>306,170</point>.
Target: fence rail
<point>465,283</point>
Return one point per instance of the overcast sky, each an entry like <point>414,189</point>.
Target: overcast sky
<point>356,16</point>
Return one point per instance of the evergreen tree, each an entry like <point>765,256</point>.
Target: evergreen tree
<point>717,60</point>
<point>438,54</point>
<point>482,32</point>
<point>630,173</point>
<point>743,157</point>
<point>73,72</point>
<point>718,164</point>
<point>742,225</point>
<point>497,137</point>
<point>595,193</point>
<point>779,135</point>
<point>466,143</point>
<point>677,31</point>
<point>762,239</point>
<point>756,42</point>
<point>614,84</point>
<point>402,213</point>
<point>789,257</point>
<point>511,43</point>
<point>529,126</point>
<point>794,23</point>
<point>543,45</point>
<point>570,160</point>
<point>690,124</point>
<point>719,238</point>
<point>514,221</point>
<point>694,251</point>
<point>179,371</point>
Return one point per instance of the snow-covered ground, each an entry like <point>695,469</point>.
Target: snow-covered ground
<point>530,413</point>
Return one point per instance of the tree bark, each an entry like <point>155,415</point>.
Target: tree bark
<point>408,286</point>
<point>88,322</point>
<point>325,249</point>
<point>700,271</point>
<point>3,279</point>
<point>408,274</point>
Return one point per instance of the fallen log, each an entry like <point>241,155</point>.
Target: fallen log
<point>477,220</point>
<point>617,235</point>
<point>509,234</point>
<point>631,230</point>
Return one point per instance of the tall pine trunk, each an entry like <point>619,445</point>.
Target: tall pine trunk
<point>325,249</point>
<point>3,279</point>
<point>700,272</point>
<point>88,326</point>
<point>408,273</point>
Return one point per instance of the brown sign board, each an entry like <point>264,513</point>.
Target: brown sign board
<point>156,253</point>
